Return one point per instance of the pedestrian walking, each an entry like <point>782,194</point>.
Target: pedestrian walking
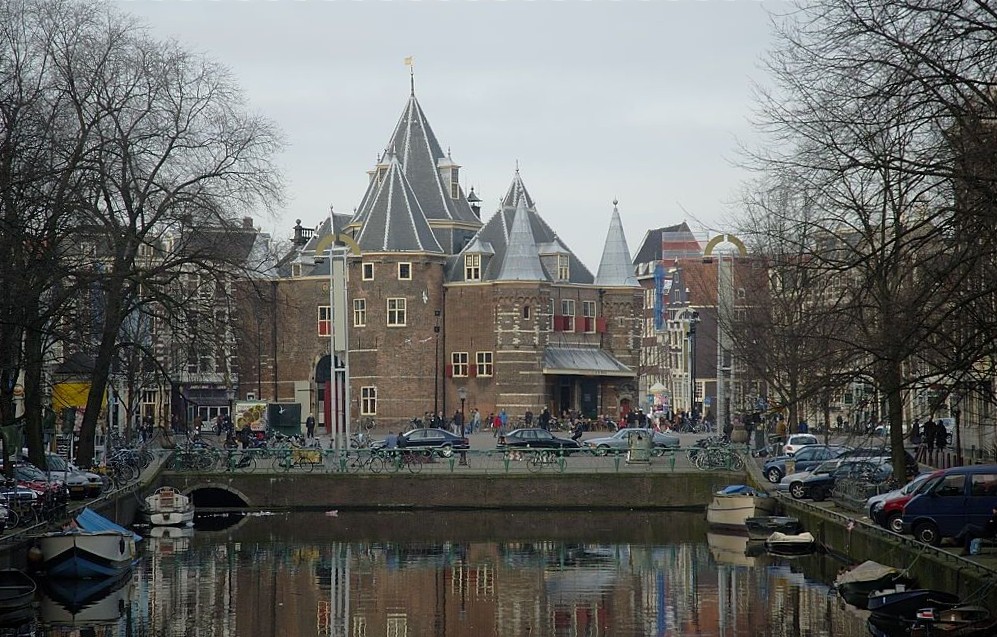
<point>310,426</point>
<point>475,420</point>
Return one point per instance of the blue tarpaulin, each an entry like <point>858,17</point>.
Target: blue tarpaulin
<point>89,520</point>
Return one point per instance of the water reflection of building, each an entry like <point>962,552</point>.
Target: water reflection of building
<point>272,585</point>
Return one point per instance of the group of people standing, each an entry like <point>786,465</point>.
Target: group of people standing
<point>931,435</point>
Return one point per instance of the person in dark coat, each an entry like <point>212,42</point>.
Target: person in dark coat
<point>929,434</point>
<point>941,436</point>
<point>971,532</point>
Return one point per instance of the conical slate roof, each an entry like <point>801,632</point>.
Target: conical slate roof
<point>421,156</point>
<point>616,268</point>
<point>521,261</point>
<point>395,219</point>
<point>496,235</point>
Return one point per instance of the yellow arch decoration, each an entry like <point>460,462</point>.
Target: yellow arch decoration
<point>328,239</point>
<point>728,238</point>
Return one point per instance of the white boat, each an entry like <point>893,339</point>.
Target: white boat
<point>168,507</point>
<point>791,544</point>
<point>92,546</point>
<point>733,505</point>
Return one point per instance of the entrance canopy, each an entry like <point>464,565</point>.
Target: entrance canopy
<point>583,361</point>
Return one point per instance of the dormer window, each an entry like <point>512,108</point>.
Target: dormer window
<point>563,267</point>
<point>454,184</point>
<point>295,270</point>
<point>472,267</point>
<point>381,172</point>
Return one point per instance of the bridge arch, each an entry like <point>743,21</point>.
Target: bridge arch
<point>216,495</point>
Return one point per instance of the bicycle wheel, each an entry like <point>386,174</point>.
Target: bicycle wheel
<point>535,463</point>
<point>282,462</point>
<point>13,519</point>
<point>415,461</point>
<point>735,462</point>
<point>354,463</point>
<point>376,464</point>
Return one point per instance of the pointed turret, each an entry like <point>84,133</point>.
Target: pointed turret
<point>395,221</point>
<point>521,261</point>
<point>616,268</point>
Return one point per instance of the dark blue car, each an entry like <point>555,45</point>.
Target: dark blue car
<point>806,458</point>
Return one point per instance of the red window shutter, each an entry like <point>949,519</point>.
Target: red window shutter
<point>448,370</point>
<point>600,325</point>
<point>558,323</point>
<point>472,370</point>
<point>587,324</point>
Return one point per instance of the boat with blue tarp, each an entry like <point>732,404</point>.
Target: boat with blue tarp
<point>91,546</point>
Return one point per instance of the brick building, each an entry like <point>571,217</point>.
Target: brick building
<point>440,303</point>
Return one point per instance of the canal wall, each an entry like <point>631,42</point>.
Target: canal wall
<point>568,491</point>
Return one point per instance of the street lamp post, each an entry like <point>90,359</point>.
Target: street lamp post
<point>436,368</point>
<point>957,413</point>
<point>462,394</point>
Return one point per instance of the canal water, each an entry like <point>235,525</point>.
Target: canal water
<point>482,574</point>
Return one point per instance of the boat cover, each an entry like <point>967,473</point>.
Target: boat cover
<point>802,538</point>
<point>737,489</point>
<point>91,521</point>
<point>867,571</point>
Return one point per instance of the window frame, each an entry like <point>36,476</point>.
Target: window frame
<point>484,364</point>
<point>368,400</point>
<point>472,267</point>
<point>563,268</point>
<point>359,312</point>
<point>568,317</point>
<point>404,265</point>
<point>326,322</point>
<point>589,319</point>
<point>396,316</point>
<point>366,271</point>
<point>459,364</point>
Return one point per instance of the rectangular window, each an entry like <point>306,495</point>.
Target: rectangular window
<point>367,271</point>
<point>483,363</point>
<point>396,312</point>
<point>588,311</point>
<point>359,312</point>
<point>368,401</point>
<point>472,267</point>
<point>459,362</point>
<point>324,320</point>
<point>454,183</point>
<point>526,312</point>
<point>404,271</point>
<point>563,269</point>
<point>568,312</point>
<point>983,484</point>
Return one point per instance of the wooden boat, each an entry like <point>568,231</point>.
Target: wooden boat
<point>905,603</point>
<point>168,507</point>
<point>795,544</point>
<point>733,505</point>
<point>17,589</point>
<point>760,528</point>
<point>90,547</point>
<point>855,585</point>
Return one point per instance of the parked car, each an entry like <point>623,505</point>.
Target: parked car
<point>888,511</point>
<point>59,467</point>
<point>536,438</point>
<point>803,460</point>
<point>34,478</point>
<point>797,441</point>
<point>440,441</point>
<point>881,452</point>
<point>620,441</point>
<point>960,496</point>
<point>818,485</point>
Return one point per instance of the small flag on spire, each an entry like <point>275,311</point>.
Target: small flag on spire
<point>408,61</point>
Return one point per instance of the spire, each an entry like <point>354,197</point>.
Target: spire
<point>395,221</point>
<point>616,268</point>
<point>521,261</point>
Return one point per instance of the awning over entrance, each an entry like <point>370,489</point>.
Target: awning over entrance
<point>582,361</point>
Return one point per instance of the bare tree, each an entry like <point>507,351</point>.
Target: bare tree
<point>866,96</point>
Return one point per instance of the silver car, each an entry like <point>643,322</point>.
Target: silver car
<point>620,441</point>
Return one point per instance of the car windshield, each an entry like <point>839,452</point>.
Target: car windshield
<point>825,467</point>
<point>30,472</point>
<point>56,463</point>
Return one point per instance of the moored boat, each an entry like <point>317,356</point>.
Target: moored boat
<point>760,528</point>
<point>733,505</point>
<point>856,584</point>
<point>905,603</point>
<point>958,621</point>
<point>91,547</point>
<point>791,544</point>
<point>168,507</point>
<point>17,590</point>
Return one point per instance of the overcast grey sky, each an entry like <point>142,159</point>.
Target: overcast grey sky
<point>640,101</point>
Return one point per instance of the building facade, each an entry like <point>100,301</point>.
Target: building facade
<point>442,309</point>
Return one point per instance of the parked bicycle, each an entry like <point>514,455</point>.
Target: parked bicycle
<point>304,459</point>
